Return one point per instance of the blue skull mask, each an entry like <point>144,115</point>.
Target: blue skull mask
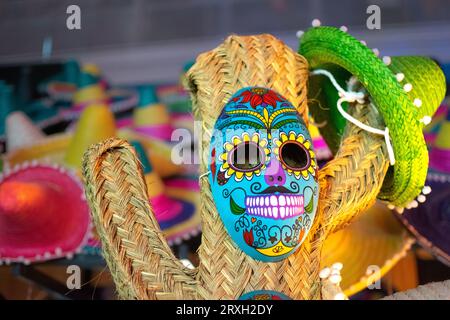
<point>263,174</point>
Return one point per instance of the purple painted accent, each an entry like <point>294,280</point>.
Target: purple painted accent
<point>440,159</point>
<point>275,175</point>
<point>161,131</point>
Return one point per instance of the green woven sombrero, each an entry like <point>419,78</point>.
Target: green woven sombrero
<point>405,90</point>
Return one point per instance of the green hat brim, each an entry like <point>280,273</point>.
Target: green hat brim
<point>336,51</point>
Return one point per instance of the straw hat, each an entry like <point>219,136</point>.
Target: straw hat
<point>405,90</point>
<point>429,221</point>
<point>133,243</point>
<point>376,238</point>
<point>43,214</point>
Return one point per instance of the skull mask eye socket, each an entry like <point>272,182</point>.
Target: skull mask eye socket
<point>294,155</point>
<point>245,157</point>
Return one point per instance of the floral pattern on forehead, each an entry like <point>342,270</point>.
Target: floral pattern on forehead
<point>263,174</point>
<point>258,109</point>
<point>258,96</point>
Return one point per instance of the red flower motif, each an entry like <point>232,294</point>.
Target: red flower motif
<point>258,96</point>
<point>248,236</point>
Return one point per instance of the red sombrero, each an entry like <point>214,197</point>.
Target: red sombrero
<point>43,214</point>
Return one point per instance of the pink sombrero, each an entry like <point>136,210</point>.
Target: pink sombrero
<point>43,214</point>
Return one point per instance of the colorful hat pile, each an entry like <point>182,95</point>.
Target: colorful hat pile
<point>31,152</point>
<point>92,88</point>
<point>429,221</point>
<point>44,167</point>
<point>63,96</point>
<point>151,125</point>
<point>179,104</point>
<point>150,117</point>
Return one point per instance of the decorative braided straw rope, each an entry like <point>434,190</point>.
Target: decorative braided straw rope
<point>430,291</point>
<point>139,258</point>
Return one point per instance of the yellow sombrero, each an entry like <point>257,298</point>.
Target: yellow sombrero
<point>376,238</point>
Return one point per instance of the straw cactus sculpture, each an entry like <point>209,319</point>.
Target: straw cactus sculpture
<point>141,262</point>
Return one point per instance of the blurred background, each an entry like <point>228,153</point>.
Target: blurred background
<point>127,61</point>
<point>140,40</point>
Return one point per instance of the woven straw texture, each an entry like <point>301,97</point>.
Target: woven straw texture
<point>137,254</point>
<point>141,262</point>
<point>325,46</point>
<point>430,291</point>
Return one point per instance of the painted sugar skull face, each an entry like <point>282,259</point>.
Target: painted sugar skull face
<point>263,174</point>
